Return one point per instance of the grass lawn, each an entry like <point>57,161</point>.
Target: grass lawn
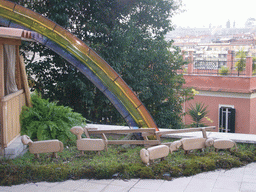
<point>118,162</point>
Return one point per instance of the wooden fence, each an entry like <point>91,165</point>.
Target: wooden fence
<point>11,106</point>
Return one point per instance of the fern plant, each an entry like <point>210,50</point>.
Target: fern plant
<point>46,120</point>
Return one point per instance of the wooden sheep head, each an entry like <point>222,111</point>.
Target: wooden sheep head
<point>26,140</point>
<point>175,146</point>
<point>209,142</point>
<point>78,131</point>
<point>144,155</point>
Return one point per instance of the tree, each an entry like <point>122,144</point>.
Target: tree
<point>129,35</point>
<point>197,113</point>
<point>254,65</point>
<point>240,64</point>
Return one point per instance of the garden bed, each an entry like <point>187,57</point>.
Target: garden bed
<point>119,162</point>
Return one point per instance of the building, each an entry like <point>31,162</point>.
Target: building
<point>231,99</point>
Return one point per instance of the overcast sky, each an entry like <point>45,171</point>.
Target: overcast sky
<point>201,13</point>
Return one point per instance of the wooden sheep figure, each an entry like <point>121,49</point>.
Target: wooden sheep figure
<point>222,144</point>
<point>152,153</point>
<point>87,144</point>
<point>193,143</point>
<point>46,146</point>
<point>175,146</point>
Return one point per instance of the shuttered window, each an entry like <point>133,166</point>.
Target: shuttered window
<point>227,119</point>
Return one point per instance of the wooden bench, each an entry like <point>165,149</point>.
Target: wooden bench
<point>145,133</point>
<point>173,131</point>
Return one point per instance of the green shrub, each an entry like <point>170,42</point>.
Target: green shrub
<point>247,156</point>
<point>46,120</point>
<point>161,167</point>
<point>191,167</point>
<point>227,161</point>
<point>224,70</point>
<point>176,171</point>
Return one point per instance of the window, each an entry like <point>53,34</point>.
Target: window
<point>227,119</point>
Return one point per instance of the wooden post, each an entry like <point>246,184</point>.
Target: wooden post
<point>1,71</point>
<point>204,133</point>
<point>1,96</point>
<point>25,81</point>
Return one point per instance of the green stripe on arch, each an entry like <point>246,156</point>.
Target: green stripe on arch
<point>83,53</point>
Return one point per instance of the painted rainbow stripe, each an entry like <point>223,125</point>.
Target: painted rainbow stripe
<point>81,56</point>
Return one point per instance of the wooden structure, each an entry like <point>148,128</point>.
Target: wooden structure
<point>223,144</point>
<point>47,146</point>
<point>88,144</point>
<point>156,152</point>
<point>145,133</point>
<point>11,102</point>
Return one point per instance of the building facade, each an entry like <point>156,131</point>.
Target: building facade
<point>230,99</point>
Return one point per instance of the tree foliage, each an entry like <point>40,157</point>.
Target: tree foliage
<point>240,64</point>
<point>129,35</point>
<point>197,112</point>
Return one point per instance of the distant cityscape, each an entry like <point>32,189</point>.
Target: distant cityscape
<point>214,43</point>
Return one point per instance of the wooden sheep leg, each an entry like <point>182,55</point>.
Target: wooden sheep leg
<point>54,155</point>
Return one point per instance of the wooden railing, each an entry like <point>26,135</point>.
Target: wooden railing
<point>11,106</point>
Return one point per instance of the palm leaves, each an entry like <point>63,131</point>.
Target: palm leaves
<point>240,64</point>
<point>197,113</point>
<point>46,120</point>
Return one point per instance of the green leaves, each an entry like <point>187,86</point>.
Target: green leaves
<point>46,120</point>
<point>129,35</point>
<point>197,113</point>
<point>240,64</point>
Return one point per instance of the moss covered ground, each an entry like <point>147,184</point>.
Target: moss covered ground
<point>119,162</point>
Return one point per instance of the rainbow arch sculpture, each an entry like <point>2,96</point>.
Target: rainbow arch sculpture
<point>98,71</point>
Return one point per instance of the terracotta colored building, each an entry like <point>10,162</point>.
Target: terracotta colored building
<point>231,99</point>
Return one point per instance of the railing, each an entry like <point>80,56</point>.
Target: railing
<point>213,67</point>
<point>11,106</point>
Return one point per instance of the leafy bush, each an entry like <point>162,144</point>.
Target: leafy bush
<point>224,70</point>
<point>46,120</point>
